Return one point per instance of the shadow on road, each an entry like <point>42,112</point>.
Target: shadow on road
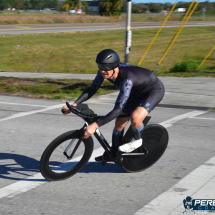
<point>95,167</point>
<point>19,167</point>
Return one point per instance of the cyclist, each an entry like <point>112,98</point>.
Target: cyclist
<point>140,92</point>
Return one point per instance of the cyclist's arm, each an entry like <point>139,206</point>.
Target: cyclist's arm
<point>125,90</point>
<point>90,91</point>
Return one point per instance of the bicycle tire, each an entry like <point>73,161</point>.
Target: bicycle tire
<point>48,168</point>
<point>155,140</point>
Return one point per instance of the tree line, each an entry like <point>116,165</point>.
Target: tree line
<point>107,7</point>
<point>157,7</point>
<point>30,4</point>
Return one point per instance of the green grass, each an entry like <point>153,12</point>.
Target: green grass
<point>209,13</point>
<point>76,52</point>
<point>49,88</point>
<point>190,66</point>
<point>187,65</point>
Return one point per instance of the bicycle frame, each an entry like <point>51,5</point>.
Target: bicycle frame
<point>90,118</point>
<point>127,138</point>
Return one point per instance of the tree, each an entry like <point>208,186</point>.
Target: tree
<point>124,7</point>
<point>107,4</point>
<point>155,7</point>
<point>19,4</point>
<point>68,4</point>
<point>167,6</point>
<point>117,4</point>
<point>8,3</point>
<point>35,3</point>
<point>2,5</point>
<point>139,8</point>
<point>111,7</point>
<point>85,5</point>
<point>73,4</point>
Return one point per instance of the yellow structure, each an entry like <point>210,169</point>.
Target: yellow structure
<point>205,58</point>
<point>156,34</point>
<point>178,31</point>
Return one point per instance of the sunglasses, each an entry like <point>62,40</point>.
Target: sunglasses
<point>103,67</point>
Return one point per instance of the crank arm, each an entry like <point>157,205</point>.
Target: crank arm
<point>132,154</point>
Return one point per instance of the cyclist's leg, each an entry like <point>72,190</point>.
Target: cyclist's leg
<point>120,123</point>
<point>118,130</point>
<point>145,106</point>
<point>117,136</point>
<point>137,118</point>
<point>149,101</point>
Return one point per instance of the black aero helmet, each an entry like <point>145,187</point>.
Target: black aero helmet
<point>107,59</point>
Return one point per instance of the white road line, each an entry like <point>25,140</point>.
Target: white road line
<point>23,104</point>
<point>26,184</point>
<point>36,180</point>
<point>169,122</point>
<point>201,118</point>
<point>31,112</point>
<point>197,184</point>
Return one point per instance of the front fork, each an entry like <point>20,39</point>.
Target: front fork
<point>69,157</point>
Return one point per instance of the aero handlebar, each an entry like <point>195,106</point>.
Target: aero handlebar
<point>78,112</point>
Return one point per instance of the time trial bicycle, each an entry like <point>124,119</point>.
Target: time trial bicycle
<point>69,152</point>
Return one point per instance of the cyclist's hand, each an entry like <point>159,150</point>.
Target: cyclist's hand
<point>90,130</point>
<point>67,109</point>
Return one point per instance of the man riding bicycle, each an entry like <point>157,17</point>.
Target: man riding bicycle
<point>140,92</point>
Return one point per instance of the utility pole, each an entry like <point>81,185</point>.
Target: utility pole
<point>128,32</point>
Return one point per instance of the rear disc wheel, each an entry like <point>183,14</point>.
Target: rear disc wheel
<point>155,140</point>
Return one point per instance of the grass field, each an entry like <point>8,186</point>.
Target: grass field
<point>41,18</point>
<point>76,52</point>
<point>50,88</point>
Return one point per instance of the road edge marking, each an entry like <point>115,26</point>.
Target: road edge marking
<point>171,201</point>
<point>36,180</point>
<point>31,112</point>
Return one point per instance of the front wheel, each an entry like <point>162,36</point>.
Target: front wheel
<point>65,156</point>
<point>155,141</point>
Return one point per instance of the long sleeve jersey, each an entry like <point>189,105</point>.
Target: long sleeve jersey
<point>131,80</point>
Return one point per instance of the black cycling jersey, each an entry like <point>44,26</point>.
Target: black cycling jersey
<point>133,81</point>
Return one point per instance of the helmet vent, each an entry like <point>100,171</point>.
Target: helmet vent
<point>108,57</point>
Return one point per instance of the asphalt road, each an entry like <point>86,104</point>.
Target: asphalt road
<point>28,125</point>
<point>51,28</point>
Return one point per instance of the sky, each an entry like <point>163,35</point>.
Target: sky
<point>163,1</point>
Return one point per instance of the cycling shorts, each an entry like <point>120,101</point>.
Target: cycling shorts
<point>148,100</point>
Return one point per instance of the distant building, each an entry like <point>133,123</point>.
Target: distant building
<point>93,7</point>
<point>180,10</point>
